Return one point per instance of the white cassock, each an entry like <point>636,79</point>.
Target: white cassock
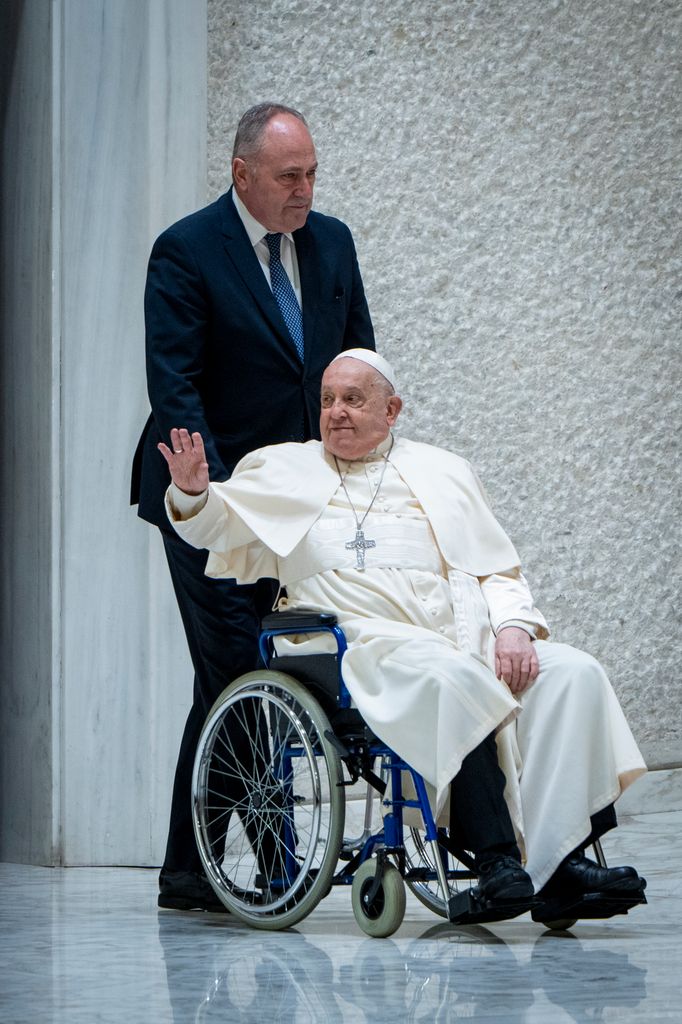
<point>421,618</point>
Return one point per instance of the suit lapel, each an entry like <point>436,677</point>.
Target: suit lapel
<point>246,264</point>
<point>309,272</point>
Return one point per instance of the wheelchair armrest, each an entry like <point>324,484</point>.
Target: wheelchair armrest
<point>298,619</point>
<point>306,621</point>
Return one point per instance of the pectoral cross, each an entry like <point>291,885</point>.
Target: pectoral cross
<point>360,545</point>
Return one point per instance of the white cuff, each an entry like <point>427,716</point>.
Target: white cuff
<point>183,505</point>
<point>529,628</point>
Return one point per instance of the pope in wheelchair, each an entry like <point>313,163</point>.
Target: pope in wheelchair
<point>497,754</point>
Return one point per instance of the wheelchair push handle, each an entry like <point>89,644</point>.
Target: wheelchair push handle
<point>299,620</point>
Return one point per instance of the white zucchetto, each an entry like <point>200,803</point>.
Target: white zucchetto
<point>365,355</point>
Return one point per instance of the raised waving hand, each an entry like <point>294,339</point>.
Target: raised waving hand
<point>186,460</point>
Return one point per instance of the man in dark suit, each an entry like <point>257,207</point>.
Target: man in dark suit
<point>246,303</point>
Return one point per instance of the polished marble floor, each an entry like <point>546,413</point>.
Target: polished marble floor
<point>87,945</point>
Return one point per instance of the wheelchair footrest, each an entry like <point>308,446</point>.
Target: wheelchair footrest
<point>591,905</point>
<point>468,908</point>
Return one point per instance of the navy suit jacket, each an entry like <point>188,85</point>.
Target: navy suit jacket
<point>219,357</point>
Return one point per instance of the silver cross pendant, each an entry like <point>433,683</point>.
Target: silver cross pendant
<point>360,545</point>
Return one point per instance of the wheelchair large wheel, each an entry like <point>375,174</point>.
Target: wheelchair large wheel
<point>267,802</point>
<point>421,874</point>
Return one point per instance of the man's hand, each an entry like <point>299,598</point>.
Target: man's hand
<point>186,461</point>
<point>515,659</point>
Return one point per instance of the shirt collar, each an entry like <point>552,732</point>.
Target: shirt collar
<point>383,448</point>
<point>254,229</point>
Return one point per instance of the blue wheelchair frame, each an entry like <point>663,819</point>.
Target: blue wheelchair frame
<point>390,838</point>
<point>271,850</point>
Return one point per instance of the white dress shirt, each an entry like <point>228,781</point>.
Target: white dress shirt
<point>257,233</point>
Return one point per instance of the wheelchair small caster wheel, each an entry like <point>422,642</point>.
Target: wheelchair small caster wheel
<point>382,914</point>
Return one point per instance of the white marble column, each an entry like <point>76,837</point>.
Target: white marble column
<point>105,108</point>
<point>29,379</point>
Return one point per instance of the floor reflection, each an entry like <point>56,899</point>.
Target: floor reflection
<point>249,976</point>
<point>446,973</point>
<point>79,946</point>
<point>585,981</point>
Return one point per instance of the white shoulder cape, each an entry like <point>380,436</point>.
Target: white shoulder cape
<point>276,493</point>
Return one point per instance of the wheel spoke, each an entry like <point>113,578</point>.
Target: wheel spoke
<point>269,812</point>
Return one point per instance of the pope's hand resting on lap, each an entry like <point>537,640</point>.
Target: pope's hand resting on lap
<point>515,659</point>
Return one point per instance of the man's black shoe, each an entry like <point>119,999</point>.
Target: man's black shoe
<point>577,875</point>
<point>188,890</point>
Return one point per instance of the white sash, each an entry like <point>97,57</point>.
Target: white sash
<point>401,543</point>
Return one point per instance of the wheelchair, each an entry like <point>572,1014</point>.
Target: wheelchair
<point>277,751</point>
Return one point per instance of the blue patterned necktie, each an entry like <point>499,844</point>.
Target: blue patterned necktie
<point>284,293</point>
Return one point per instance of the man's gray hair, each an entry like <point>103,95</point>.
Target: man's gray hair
<point>252,125</point>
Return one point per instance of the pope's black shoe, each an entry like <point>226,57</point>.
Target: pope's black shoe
<point>188,890</point>
<point>504,890</point>
<point>503,878</point>
<point>581,888</point>
<point>577,875</point>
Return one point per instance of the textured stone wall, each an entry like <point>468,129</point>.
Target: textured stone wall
<point>509,171</point>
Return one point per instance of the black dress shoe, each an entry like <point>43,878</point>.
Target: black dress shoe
<point>504,890</point>
<point>188,890</point>
<point>503,878</point>
<point>577,875</point>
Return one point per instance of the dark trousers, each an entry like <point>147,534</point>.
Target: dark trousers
<point>479,817</point>
<point>221,621</point>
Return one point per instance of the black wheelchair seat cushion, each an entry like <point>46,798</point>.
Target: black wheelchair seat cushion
<point>318,672</point>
